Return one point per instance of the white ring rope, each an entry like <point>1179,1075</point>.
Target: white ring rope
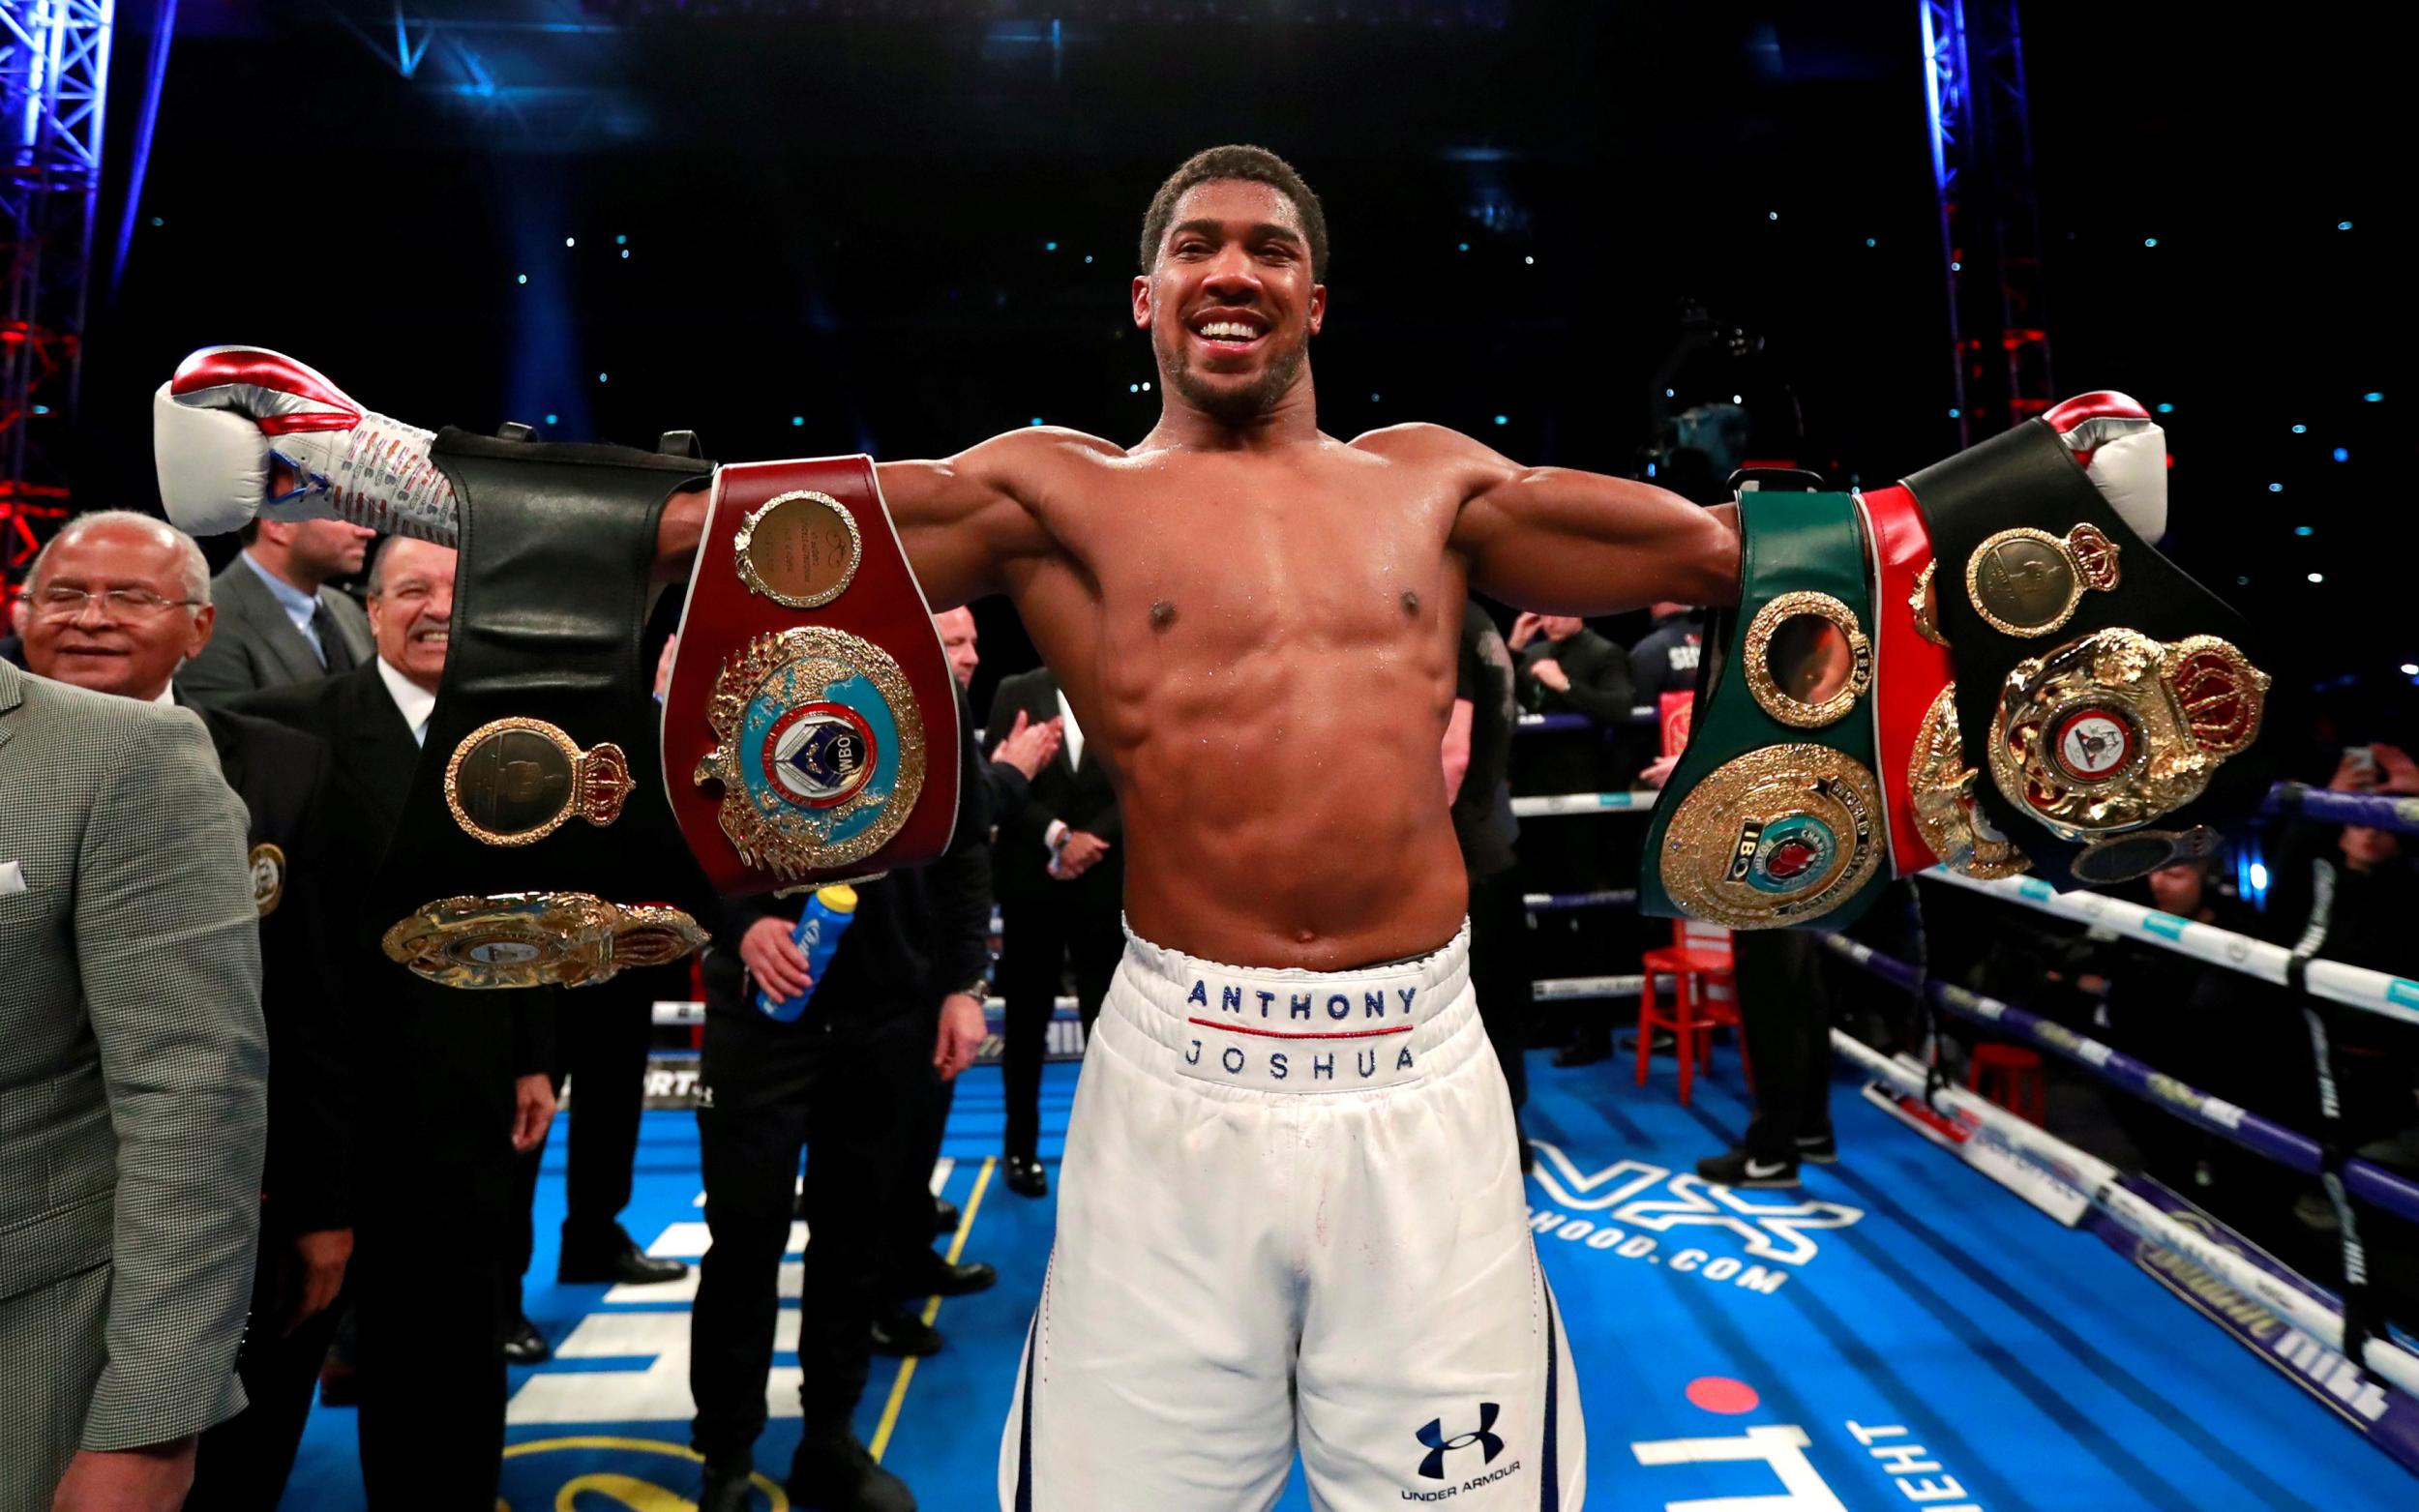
<point>2356,986</point>
<point>2097,1181</point>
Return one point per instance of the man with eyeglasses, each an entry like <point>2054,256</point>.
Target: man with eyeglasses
<point>118,604</point>
<point>130,1035</point>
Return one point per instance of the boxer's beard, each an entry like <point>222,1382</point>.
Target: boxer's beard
<point>1225,403</point>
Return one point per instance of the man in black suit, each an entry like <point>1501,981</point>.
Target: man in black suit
<point>452,1083</point>
<point>1061,886</point>
<point>305,1225</point>
<point>279,621</point>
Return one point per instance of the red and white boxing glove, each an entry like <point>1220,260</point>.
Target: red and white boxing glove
<point>243,431</point>
<point>2123,451</point>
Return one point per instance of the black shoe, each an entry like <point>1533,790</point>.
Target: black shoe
<point>945,1217</point>
<point>726,1488</point>
<point>1577,1053</point>
<point>832,1471</point>
<point>1739,1168</point>
<point>1665,1042</point>
<point>905,1333</point>
<point>1025,1176</point>
<point>1820,1150</point>
<point>524,1345</point>
<point>615,1259</point>
<point>1528,1157</point>
<point>939,1278</point>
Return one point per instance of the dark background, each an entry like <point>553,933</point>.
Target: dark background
<point>840,219</point>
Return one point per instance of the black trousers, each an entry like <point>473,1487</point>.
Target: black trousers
<point>1499,973</point>
<point>1041,938</point>
<point>242,1463</point>
<point>433,1252</point>
<point>601,1039</point>
<point>911,1245</point>
<point>1784,1011</point>
<point>848,1089</point>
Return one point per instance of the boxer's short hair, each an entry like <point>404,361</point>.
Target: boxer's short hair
<point>1252,164</point>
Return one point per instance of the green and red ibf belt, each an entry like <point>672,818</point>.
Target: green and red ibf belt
<point>810,730</point>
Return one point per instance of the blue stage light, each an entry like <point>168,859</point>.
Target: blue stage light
<point>2276,487</point>
<point>2342,454</point>
<point>2300,430</point>
<point>2167,409</point>
<point>2304,530</point>
<point>797,420</point>
<point>1503,420</point>
<point>2373,398</point>
<point>554,420</point>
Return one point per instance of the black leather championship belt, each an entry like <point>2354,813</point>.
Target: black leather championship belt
<point>811,727</point>
<point>536,846</point>
<point>2042,690</point>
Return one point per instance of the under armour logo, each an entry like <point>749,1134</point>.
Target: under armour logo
<point>1432,1467</point>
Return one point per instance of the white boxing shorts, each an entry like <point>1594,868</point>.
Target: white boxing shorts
<point>1291,1217</point>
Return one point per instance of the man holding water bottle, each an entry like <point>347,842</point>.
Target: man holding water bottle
<point>843,1076</point>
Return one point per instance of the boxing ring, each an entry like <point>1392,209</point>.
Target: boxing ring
<point>1967,1313</point>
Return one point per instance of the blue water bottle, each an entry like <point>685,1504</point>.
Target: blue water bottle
<point>820,925</point>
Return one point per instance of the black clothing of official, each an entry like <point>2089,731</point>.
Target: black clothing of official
<point>849,1083</point>
<point>433,1224</point>
<point>1485,829</point>
<point>1048,925</point>
<point>307,1182</point>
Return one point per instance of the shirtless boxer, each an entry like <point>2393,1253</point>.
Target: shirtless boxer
<point>1290,1216</point>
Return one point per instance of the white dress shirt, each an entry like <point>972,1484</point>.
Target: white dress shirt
<point>417,702</point>
<point>1072,732</point>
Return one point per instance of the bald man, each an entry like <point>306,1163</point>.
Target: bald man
<point>130,1036</point>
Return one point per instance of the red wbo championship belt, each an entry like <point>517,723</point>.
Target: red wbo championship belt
<point>810,730</point>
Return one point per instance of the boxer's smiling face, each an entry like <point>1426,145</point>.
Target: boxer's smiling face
<point>1231,304</point>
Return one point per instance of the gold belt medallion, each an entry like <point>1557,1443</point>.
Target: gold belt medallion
<point>799,549</point>
<point>1777,836</point>
<point>2027,582</point>
<point>2110,732</point>
<point>514,782</point>
<point>533,939</point>
<point>268,878</point>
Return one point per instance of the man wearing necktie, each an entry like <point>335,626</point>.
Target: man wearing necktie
<point>1060,878</point>
<point>452,1083</point>
<point>279,621</point>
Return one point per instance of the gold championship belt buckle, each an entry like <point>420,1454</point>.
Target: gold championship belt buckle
<point>2110,732</point>
<point>531,939</point>
<point>514,782</point>
<point>1780,833</point>
<point>819,749</point>
<point>2025,581</point>
<point>1941,791</point>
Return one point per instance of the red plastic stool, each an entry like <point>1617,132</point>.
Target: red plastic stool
<point>1698,962</point>
<point>2010,1075</point>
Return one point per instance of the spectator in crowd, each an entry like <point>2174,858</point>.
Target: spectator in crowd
<point>847,1082</point>
<point>1061,883</point>
<point>131,1042</point>
<point>280,622</point>
<point>452,1083</point>
<point>1665,659</point>
<point>1018,753</point>
<point>913,1272</point>
<point>1567,669</point>
<point>1564,668</point>
<point>2159,1008</point>
<point>305,1225</point>
<point>1477,784</point>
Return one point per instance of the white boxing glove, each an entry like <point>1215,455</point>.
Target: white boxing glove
<point>243,431</point>
<point>2123,451</point>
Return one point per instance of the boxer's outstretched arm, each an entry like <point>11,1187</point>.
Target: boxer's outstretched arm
<point>1564,542</point>
<point>965,520</point>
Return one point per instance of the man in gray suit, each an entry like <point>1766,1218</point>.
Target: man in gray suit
<point>134,1065</point>
<point>279,621</point>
